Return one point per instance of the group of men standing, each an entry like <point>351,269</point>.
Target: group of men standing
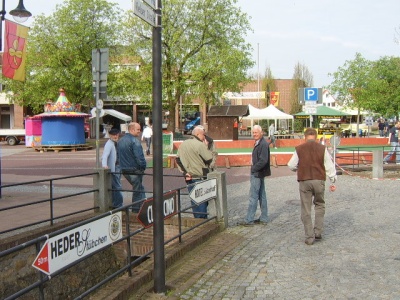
<point>197,156</point>
<point>125,156</point>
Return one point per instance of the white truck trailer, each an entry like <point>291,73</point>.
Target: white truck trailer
<point>12,136</point>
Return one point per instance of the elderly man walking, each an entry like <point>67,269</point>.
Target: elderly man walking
<point>313,164</point>
<point>260,168</point>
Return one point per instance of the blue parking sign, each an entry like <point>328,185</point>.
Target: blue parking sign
<point>311,94</point>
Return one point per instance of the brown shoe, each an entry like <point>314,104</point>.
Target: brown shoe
<point>309,241</point>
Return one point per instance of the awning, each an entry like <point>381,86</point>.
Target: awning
<point>323,112</point>
<point>111,112</point>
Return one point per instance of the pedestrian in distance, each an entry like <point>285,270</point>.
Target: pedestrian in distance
<point>146,136</point>
<point>260,168</point>
<point>393,141</point>
<point>110,161</point>
<point>133,163</point>
<point>193,159</point>
<point>271,134</point>
<point>381,128</point>
<point>313,164</point>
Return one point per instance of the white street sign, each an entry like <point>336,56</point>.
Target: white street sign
<point>66,248</point>
<point>144,12</point>
<point>99,104</point>
<point>310,107</point>
<point>204,191</point>
<point>151,3</point>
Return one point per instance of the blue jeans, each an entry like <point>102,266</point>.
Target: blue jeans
<point>395,149</point>
<point>148,144</point>
<point>117,198</point>
<point>199,210</point>
<point>257,195</point>
<point>137,190</point>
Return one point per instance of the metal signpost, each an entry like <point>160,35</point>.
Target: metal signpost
<point>150,12</point>
<point>310,102</point>
<point>99,72</point>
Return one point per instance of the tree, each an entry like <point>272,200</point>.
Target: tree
<point>60,52</point>
<point>385,86</point>
<point>302,77</point>
<point>269,83</point>
<point>352,84</point>
<point>203,50</point>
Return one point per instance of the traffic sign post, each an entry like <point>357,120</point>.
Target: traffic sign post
<point>150,12</point>
<point>99,72</point>
<point>204,191</point>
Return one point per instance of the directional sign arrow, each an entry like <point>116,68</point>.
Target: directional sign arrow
<point>204,191</point>
<point>146,212</point>
<point>42,259</point>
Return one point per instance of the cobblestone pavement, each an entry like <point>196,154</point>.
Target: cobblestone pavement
<point>358,257</point>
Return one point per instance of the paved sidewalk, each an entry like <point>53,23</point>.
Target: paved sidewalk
<point>358,258</point>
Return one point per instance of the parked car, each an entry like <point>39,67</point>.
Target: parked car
<point>189,126</point>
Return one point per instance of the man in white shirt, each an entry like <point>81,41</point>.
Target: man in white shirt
<point>146,136</point>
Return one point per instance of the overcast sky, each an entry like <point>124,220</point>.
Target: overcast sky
<point>320,34</point>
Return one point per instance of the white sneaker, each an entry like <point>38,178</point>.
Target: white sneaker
<point>398,163</point>
<point>385,162</point>
<point>275,148</point>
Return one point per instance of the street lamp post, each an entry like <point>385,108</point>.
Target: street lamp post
<point>20,14</point>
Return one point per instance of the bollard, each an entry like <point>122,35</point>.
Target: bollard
<point>102,182</point>
<point>377,164</point>
<point>219,206</point>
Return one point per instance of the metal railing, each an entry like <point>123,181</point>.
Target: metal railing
<point>49,184</point>
<point>39,288</point>
<point>355,157</point>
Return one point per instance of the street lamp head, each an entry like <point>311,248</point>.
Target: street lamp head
<point>20,14</point>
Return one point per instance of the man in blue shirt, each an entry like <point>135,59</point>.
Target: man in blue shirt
<point>110,161</point>
<point>133,163</point>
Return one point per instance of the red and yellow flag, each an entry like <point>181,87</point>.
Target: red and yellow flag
<point>14,56</point>
<point>274,98</point>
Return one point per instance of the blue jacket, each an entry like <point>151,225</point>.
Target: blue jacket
<point>130,154</point>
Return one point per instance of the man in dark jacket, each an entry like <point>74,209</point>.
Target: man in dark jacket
<point>133,163</point>
<point>260,168</point>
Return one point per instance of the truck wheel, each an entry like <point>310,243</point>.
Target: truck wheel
<point>12,141</point>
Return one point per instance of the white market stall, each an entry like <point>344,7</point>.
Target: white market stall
<point>270,113</point>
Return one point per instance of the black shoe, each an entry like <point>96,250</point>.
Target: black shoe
<point>246,224</point>
<point>258,221</point>
<point>318,237</point>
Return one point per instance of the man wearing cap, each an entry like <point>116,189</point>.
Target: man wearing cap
<point>110,161</point>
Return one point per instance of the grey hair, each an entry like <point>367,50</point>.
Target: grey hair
<point>197,129</point>
<point>258,127</point>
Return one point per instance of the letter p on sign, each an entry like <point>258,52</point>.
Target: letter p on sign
<point>311,94</point>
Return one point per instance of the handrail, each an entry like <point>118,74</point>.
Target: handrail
<point>129,234</point>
